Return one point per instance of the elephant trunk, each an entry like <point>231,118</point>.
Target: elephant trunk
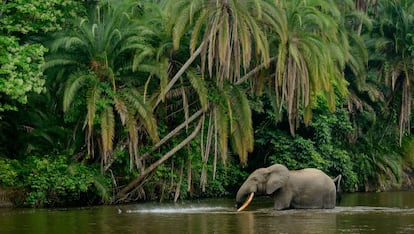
<point>239,198</point>
<point>243,191</point>
<point>241,194</point>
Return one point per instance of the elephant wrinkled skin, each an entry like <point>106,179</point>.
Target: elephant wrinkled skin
<point>308,188</point>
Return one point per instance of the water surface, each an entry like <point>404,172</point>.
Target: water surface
<point>391,212</point>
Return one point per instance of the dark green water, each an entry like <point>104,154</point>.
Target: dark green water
<point>391,212</point>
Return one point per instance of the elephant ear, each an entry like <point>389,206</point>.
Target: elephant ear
<point>278,176</point>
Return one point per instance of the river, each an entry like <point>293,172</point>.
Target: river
<point>388,212</point>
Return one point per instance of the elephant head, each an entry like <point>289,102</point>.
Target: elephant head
<point>262,181</point>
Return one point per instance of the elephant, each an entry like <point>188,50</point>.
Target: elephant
<point>308,188</point>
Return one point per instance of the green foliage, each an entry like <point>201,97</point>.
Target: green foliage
<point>106,62</point>
<point>294,152</point>
<point>408,150</point>
<point>312,49</point>
<point>54,180</point>
<point>393,43</point>
<point>341,163</point>
<point>378,170</point>
<point>8,173</point>
<point>27,16</point>
<point>21,59</point>
<point>227,180</point>
<point>20,71</point>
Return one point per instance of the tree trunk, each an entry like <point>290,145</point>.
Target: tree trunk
<point>124,192</point>
<point>180,73</point>
<point>172,134</point>
<point>178,188</point>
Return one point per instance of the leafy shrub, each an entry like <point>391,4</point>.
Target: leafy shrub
<point>52,181</point>
<point>227,180</point>
<point>8,173</point>
<point>294,152</point>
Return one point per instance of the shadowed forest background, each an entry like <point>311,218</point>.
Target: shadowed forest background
<point>119,101</point>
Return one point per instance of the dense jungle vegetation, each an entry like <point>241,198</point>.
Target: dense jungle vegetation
<point>118,101</point>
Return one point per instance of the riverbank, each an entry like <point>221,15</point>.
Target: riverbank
<point>10,198</point>
<point>6,198</point>
<point>407,178</point>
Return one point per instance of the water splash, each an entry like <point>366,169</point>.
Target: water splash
<point>173,210</point>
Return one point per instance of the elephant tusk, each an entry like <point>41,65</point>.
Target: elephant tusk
<point>247,202</point>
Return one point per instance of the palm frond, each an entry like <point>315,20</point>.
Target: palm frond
<point>107,132</point>
<point>232,34</point>
<point>74,83</point>
<point>242,133</point>
<point>200,87</point>
<point>92,97</point>
<point>143,111</point>
<point>67,43</point>
<point>121,108</point>
<point>60,62</point>
<point>140,56</point>
<point>311,55</point>
<point>221,124</point>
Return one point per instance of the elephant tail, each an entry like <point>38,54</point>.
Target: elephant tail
<point>337,182</point>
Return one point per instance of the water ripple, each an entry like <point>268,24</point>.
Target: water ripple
<point>220,209</point>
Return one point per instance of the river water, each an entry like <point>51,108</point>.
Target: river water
<point>390,212</point>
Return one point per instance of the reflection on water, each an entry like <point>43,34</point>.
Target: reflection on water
<point>357,213</point>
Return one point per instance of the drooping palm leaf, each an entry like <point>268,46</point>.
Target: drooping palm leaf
<point>143,111</point>
<point>311,55</point>
<point>229,29</point>
<point>107,132</point>
<point>200,87</point>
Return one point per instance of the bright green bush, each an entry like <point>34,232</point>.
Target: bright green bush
<point>8,173</point>
<point>54,181</point>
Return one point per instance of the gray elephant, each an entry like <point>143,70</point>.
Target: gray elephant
<point>308,188</point>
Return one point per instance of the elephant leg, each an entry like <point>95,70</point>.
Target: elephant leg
<point>329,201</point>
<point>282,199</point>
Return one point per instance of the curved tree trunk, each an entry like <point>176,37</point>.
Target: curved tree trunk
<point>136,182</point>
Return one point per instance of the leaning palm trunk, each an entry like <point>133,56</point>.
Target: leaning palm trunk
<point>180,73</point>
<point>135,183</point>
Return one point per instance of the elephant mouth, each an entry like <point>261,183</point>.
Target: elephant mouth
<point>247,202</point>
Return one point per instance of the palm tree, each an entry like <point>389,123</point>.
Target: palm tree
<point>312,50</point>
<point>95,60</point>
<point>228,38</point>
<point>231,40</point>
<point>395,21</point>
